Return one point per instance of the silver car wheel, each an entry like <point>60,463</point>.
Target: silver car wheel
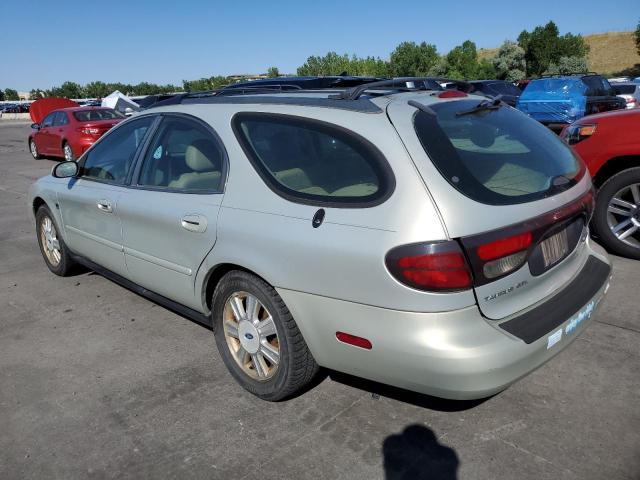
<point>251,336</point>
<point>623,215</point>
<point>50,242</point>
<point>68,153</point>
<point>33,148</point>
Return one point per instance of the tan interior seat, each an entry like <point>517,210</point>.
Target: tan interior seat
<point>204,159</point>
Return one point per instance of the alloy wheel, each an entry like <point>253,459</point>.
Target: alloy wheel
<point>251,336</point>
<point>50,242</point>
<point>33,148</point>
<point>68,153</point>
<point>623,215</point>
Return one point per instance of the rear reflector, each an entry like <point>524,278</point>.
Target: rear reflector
<point>354,340</point>
<point>430,266</point>
<point>504,246</point>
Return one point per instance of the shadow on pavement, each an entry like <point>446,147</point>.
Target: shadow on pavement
<point>413,398</point>
<point>416,454</point>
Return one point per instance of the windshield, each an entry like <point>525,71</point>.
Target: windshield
<point>624,89</point>
<point>496,156</point>
<point>556,86</point>
<point>94,114</point>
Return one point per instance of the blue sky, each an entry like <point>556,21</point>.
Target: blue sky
<point>44,43</point>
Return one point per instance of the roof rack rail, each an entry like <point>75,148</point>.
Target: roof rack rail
<point>391,84</point>
<point>568,74</point>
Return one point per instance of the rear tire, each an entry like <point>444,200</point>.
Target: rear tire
<point>68,152</point>
<point>621,193</point>
<point>52,246</point>
<point>264,351</point>
<point>33,148</point>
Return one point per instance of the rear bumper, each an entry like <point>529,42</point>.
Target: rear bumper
<point>457,355</point>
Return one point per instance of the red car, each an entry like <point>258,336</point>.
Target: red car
<point>609,143</point>
<point>69,132</point>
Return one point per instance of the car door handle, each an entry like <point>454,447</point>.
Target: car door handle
<point>194,223</point>
<point>104,206</point>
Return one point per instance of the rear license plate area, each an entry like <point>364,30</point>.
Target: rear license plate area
<point>555,246</point>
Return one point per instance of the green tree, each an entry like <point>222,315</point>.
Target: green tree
<point>11,94</point>
<point>273,72</point>
<point>638,37</point>
<point>68,90</point>
<point>509,62</point>
<point>330,64</point>
<point>1,95</point>
<point>567,65</point>
<point>544,46</point>
<point>410,59</point>
<point>462,63</point>
<point>36,94</point>
<point>204,84</point>
<point>97,89</point>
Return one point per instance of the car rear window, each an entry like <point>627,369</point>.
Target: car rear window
<point>95,114</point>
<point>556,86</point>
<point>496,156</point>
<point>314,162</point>
<point>624,89</point>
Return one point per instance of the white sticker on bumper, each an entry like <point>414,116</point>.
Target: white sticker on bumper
<point>554,338</point>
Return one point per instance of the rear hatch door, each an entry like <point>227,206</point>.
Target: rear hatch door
<point>502,183</point>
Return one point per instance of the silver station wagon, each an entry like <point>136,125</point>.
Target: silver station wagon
<point>431,240</point>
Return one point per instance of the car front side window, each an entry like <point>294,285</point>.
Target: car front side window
<point>48,120</point>
<point>112,157</point>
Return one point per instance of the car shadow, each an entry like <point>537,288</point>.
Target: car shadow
<point>415,454</point>
<point>406,396</point>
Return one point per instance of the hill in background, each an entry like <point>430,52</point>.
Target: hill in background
<point>608,52</point>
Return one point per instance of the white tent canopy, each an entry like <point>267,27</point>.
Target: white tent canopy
<point>119,102</point>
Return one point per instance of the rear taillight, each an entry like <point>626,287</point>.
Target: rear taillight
<point>504,255</point>
<point>437,266</point>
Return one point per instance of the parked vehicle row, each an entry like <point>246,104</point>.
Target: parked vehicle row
<point>559,100</point>
<point>433,240</point>
<point>14,108</point>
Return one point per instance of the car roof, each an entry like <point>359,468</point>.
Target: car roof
<point>81,108</point>
<point>365,97</point>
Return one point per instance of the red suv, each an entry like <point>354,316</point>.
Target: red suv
<point>69,132</point>
<point>609,143</point>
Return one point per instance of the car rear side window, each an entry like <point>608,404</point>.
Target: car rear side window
<point>314,162</point>
<point>60,119</point>
<point>496,156</point>
<point>185,156</point>
<point>92,114</point>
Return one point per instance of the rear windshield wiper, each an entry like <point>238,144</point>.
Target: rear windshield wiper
<point>492,104</point>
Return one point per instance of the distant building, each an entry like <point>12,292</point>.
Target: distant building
<point>23,96</point>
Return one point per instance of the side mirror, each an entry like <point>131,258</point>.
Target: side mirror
<point>35,126</point>
<point>65,170</point>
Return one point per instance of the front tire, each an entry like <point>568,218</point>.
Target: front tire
<point>617,215</point>
<point>53,249</point>
<point>258,339</point>
<point>33,148</point>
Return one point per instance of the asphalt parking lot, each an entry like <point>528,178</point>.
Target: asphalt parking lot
<point>98,382</point>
